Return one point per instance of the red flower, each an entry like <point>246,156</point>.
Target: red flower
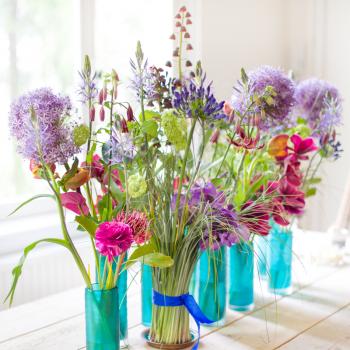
<point>245,141</point>
<point>75,202</point>
<point>96,168</point>
<point>292,199</point>
<point>302,147</point>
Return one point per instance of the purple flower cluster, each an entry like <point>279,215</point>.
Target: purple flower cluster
<point>48,136</point>
<point>197,101</point>
<point>223,226</point>
<point>275,92</point>
<point>319,103</point>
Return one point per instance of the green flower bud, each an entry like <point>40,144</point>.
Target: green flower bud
<point>175,129</point>
<point>137,186</point>
<point>87,66</point>
<point>81,134</point>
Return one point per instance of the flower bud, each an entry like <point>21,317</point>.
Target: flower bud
<point>124,126</point>
<point>227,109</point>
<point>92,113</point>
<point>105,91</point>
<point>87,66</point>
<point>168,64</point>
<point>189,47</point>
<point>188,63</point>
<point>102,114</point>
<point>187,35</point>
<point>183,9</point>
<point>183,29</point>
<point>188,21</point>
<point>178,24</point>
<point>130,114</point>
<point>172,37</point>
<point>178,16</point>
<point>188,15</point>
<point>100,97</point>
<point>215,136</point>
<point>176,52</point>
<point>78,180</point>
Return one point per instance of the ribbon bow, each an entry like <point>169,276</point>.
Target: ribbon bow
<point>188,302</point>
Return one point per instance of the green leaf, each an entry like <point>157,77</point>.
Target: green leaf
<point>88,223</point>
<point>17,270</point>
<point>218,182</point>
<point>150,127</point>
<point>30,200</point>
<point>310,192</point>
<point>314,180</point>
<point>244,76</point>
<point>139,252</point>
<point>117,194</point>
<point>157,260</point>
<point>91,153</point>
<point>149,115</point>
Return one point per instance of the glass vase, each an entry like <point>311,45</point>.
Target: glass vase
<point>280,260</point>
<point>122,297</point>
<point>102,318</point>
<point>210,284</point>
<point>146,295</point>
<point>261,245</point>
<point>241,291</point>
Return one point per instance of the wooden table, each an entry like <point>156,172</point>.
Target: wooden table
<point>315,316</point>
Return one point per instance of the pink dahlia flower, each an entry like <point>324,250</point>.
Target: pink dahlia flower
<point>113,238</point>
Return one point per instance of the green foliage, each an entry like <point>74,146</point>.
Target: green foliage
<point>17,270</point>
<point>88,224</point>
<point>311,191</point>
<point>30,200</point>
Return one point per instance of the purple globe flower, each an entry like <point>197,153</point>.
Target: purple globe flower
<point>278,89</point>
<point>49,134</point>
<point>319,103</point>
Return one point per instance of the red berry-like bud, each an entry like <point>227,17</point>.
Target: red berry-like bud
<point>176,52</point>
<point>183,9</point>
<point>130,114</point>
<point>178,24</point>
<point>172,37</point>
<point>188,15</point>
<point>188,64</point>
<point>187,35</point>
<point>188,21</point>
<point>178,16</point>
<point>215,136</point>
<point>102,114</point>
<point>168,64</point>
<point>189,47</point>
<point>100,97</point>
<point>183,29</point>
<point>124,126</point>
<point>92,114</point>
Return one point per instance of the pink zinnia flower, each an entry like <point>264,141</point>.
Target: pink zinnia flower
<point>139,224</point>
<point>113,238</point>
<point>75,202</point>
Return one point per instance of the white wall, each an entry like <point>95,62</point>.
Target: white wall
<point>310,37</point>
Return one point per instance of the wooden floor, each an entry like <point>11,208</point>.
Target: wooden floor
<point>315,316</point>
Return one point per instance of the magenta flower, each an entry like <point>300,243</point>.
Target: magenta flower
<point>303,146</point>
<point>75,202</point>
<point>292,199</point>
<point>113,238</point>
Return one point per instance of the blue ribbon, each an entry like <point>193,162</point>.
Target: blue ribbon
<point>188,302</point>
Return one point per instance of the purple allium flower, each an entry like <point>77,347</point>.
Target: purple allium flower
<point>275,93</point>
<point>196,100</point>
<point>49,133</point>
<point>319,103</point>
<point>113,238</point>
<point>87,89</point>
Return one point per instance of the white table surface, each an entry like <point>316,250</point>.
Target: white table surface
<point>315,316</point>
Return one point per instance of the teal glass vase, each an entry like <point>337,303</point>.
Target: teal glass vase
<point>146,295</point>
<point>241,290</point>
<point>210,284</point>
<point>261,245</point>
<point>279,260</point>
<point>102,318</point>
<point>123,303</point>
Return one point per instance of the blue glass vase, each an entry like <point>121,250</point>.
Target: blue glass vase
<point>241,292</point>
<point>122,297</point>
<point>279,259</point>
<point>102,318</point>
<point>146,295</point>
<point>210,284</point>
<point>261,245</point>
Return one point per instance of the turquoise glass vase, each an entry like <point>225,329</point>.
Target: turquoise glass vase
<point>146,295</point>
<point>261,245</point>
<point>102,318</point>
<point>123,303</point>
<point>279,260</point>
<point>210,284</point>
<point>241,291</point>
